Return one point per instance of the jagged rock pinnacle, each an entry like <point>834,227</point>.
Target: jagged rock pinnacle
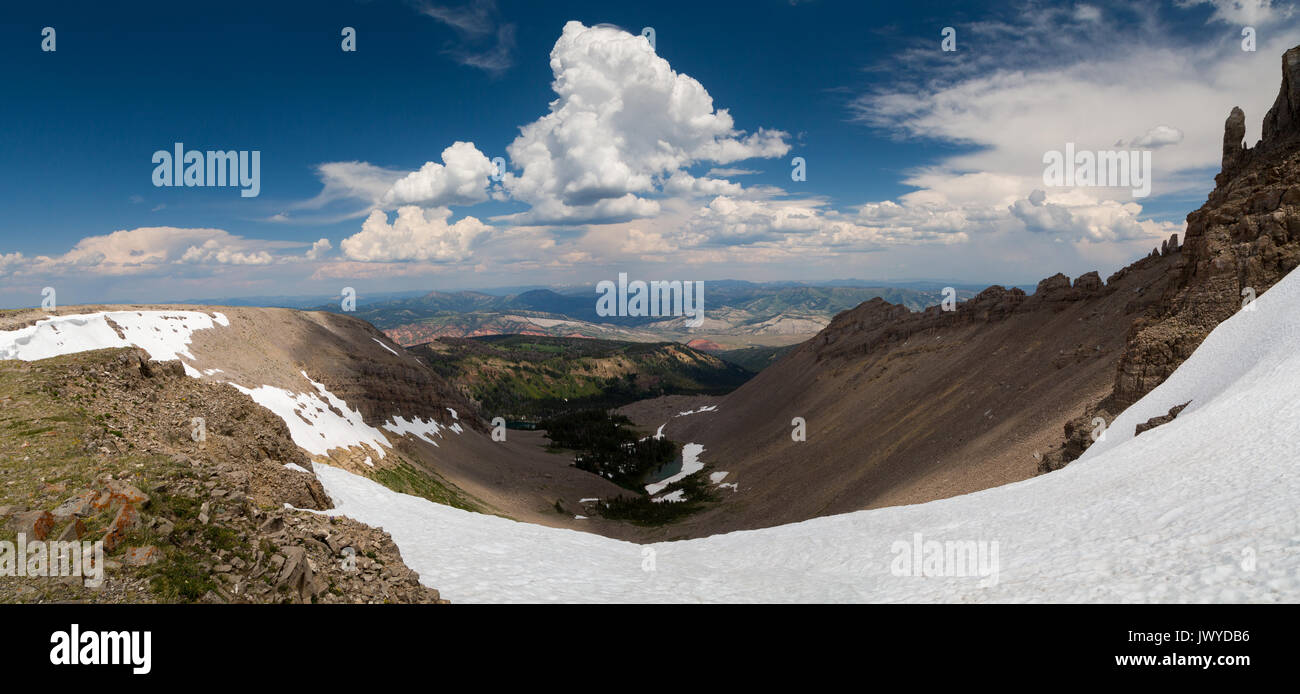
<point>1234,134</point>
<point>1283,120</point>
<point>1281,123</point>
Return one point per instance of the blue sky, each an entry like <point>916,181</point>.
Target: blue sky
<point>920,163</point>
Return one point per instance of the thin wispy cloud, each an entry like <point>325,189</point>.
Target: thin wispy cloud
<point>483,40</point>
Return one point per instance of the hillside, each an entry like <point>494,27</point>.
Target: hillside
<point>100,445</point>
<point>349,397</point>
<point>524,377</point>
<point>904,407</point>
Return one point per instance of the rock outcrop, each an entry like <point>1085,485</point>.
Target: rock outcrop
<point>218,518</point>
<point>877,322</point>
<point>1243,240</point>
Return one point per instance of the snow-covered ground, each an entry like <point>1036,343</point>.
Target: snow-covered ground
<point>1205,508</point>
<point>163,334</point>
<point>691,464</point>
<point>318,422</point>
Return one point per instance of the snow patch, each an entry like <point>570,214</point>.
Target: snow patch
<point>165,335</point>
<point>318,422</point>
<point>416,427</point>
<point>674,497</point>
<point>691,464</point>
<point>381,344</point>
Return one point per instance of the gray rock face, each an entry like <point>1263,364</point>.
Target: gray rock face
<point>1283,120</point>
<point>1234,134</point>
<point>1245,237</point>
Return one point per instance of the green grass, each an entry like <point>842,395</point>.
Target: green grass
<point>44,439</point>
<point>44,435</point>
<point>407,480</point>
<point>180,577</point>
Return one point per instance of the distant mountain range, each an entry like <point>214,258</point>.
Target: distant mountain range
<point>737,314</point>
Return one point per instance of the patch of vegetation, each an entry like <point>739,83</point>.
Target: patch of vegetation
<point>182,508</point>
<point>221,537</point>
<point>407,480</point>
<point>642,510</point>
<point>180,577</point>
<point>607,446</point>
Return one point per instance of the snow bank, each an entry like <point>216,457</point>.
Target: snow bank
<point>1234,361</point>
<point>691,464</point>
<point>416,427</point>
<point>164,335</point>
<point>318,422</point>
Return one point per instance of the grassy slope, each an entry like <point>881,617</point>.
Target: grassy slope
<point>46,454</point>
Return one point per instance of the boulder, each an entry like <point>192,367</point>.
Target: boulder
<point>122,492</point>
<point>141,556</point>
<point>79,505</point>
<point>126,520</point>
<point>73,531</point>
<point>35,525</point>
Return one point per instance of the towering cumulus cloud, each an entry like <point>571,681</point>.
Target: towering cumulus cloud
<point>623,123</point>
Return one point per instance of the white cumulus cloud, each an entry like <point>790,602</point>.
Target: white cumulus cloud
<point>414,234</point>
<point>623,123</point>
<point>319,249</point>
<point>461,179</point>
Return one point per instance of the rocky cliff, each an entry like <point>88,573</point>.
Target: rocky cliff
<point>1243,240</point>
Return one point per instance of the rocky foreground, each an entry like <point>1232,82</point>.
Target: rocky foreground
<point>108,446</point>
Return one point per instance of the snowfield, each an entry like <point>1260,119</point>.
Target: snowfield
<point>1203,509</point>
<point>318,422</point>
<point>164,335</point>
